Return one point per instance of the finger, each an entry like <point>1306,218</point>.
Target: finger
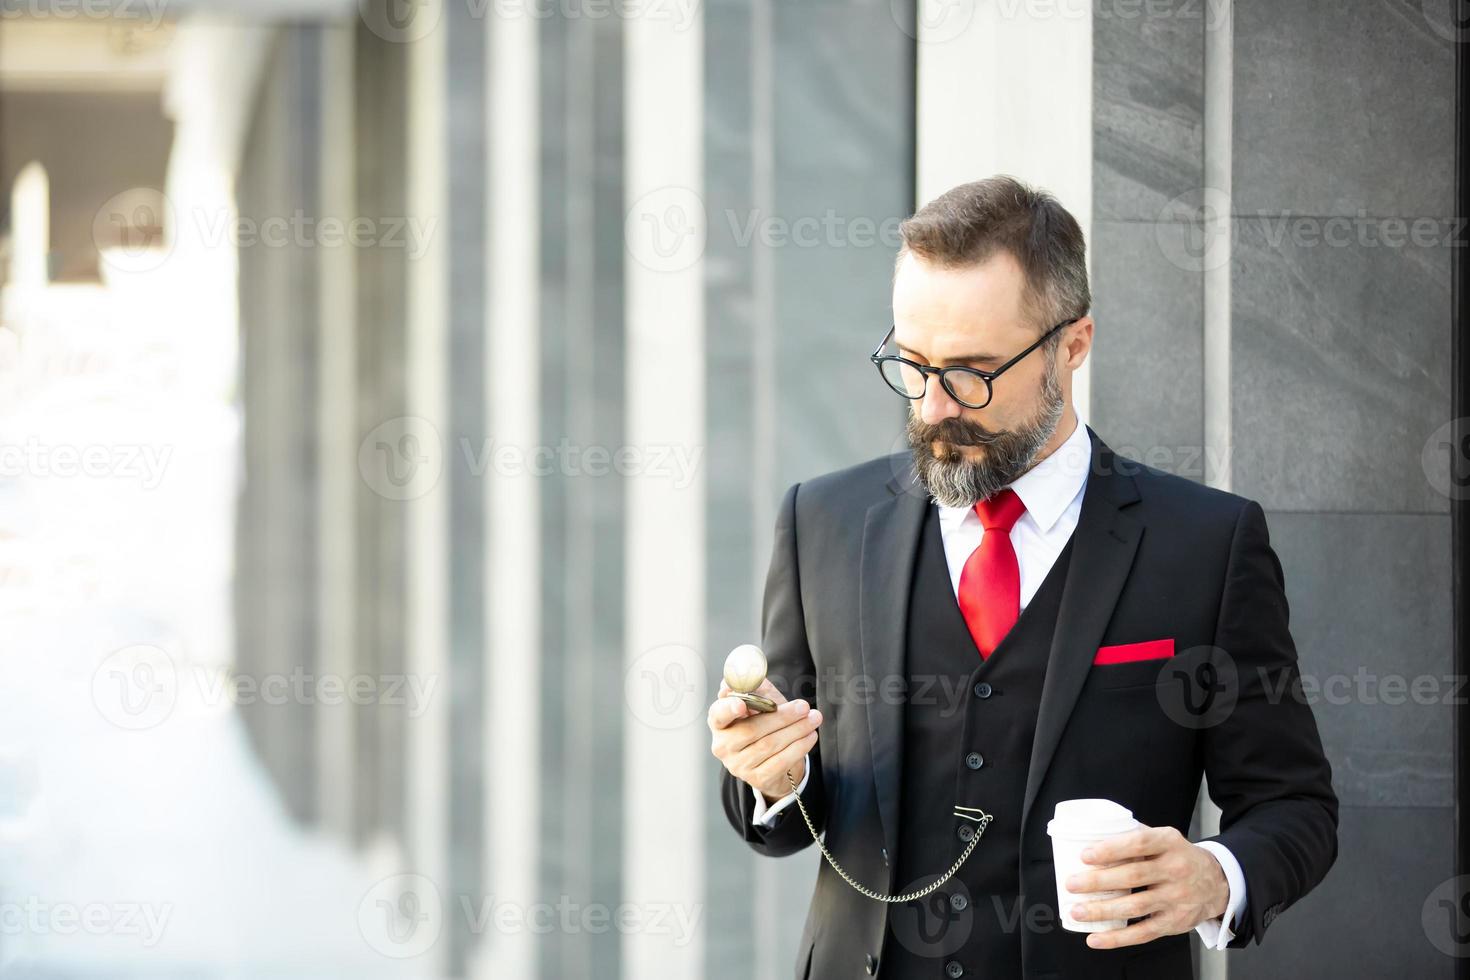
<point>768,745</point>
<point>724,712</point>
<point>1138,933</point>
<point>1141,843</point>
<point>754,725</point>
<point>1127,874</point>
<point>785,760</point>
<point>760,724</point>
<point>1134,906</point>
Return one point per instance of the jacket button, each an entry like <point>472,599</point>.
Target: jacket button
<point>958,902</point>
<point>983,690</point>
<point>966,832</point>
<point>974,760</point>
<point>954,969</point>
<point>872,964</point>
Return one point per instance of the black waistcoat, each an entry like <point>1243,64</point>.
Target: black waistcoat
<point>968,729</point>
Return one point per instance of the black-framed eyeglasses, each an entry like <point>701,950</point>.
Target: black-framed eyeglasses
<point>971,387</point>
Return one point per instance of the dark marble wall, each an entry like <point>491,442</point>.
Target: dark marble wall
<point>1340,349</point>
<point>1339,335</point>
<point>1148,296</point>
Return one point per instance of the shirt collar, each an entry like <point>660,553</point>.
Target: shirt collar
<point>1048,487</point>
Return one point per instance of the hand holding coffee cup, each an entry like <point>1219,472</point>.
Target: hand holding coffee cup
<point>1112,869</point>
<point>1075,825</point>
<point>756,745</point>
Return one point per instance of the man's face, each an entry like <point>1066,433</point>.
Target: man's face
<point>976,317</point>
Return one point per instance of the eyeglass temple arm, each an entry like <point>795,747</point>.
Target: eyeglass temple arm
<point>882,343</point>
<point>992,375</point>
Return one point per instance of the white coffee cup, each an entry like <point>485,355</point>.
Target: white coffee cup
<point>1075,825</point>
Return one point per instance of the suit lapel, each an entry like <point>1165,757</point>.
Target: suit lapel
<point>1104,545</point>
<point>890,546</point>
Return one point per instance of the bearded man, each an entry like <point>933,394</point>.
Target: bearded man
<point>1008,616</point>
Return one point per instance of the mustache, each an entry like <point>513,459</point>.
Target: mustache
<point>954,432</point>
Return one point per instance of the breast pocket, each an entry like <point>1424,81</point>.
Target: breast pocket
<point>1112,677</point>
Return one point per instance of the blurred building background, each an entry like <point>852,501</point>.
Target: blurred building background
<point>397,396</point>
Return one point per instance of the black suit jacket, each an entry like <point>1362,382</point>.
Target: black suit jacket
<point>1155,556</point>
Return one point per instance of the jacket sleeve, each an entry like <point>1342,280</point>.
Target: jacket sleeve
<point>783,638</point>
<point>1263,759</point>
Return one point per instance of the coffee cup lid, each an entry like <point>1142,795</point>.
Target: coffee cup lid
<point>1090,818</point>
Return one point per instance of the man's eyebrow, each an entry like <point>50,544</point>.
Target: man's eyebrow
<point>956,360</point>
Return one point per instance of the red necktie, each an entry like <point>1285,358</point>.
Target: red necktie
<point>990,585</point>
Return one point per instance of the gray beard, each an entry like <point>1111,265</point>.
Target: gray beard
<point>955,481</point>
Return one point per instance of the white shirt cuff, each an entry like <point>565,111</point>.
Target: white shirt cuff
<point>764,816</point>
<point>1214,933</point>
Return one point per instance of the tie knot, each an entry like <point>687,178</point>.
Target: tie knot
<point>1001,512</point>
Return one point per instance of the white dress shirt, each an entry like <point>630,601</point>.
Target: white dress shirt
<point>1052,491</point>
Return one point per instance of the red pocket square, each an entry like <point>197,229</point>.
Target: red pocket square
<point>1125,653</point>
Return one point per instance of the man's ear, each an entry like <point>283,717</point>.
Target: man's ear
<point>1076,343</point>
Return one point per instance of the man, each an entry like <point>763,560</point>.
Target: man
<point>1007,616</point>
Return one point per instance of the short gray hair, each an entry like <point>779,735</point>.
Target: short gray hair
<point>972,222</point>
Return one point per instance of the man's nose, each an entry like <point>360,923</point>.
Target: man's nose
<point>937,405</point>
